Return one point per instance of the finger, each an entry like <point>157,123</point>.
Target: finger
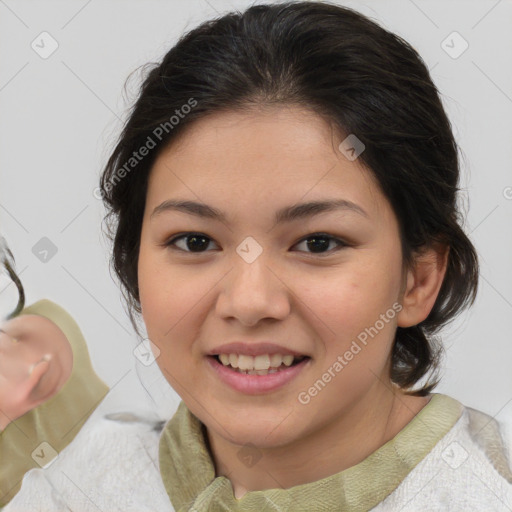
<point>40,367</point>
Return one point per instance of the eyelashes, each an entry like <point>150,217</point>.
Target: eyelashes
<point>200,240</point>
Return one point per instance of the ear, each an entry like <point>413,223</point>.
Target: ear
<point>423,282</point>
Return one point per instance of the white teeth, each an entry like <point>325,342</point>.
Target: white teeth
<point>233,361</point>
<point>276,360</point>
<point>245,362</point>
<point>288,360</point>
<point>259,365</point>
<point>262,362</point>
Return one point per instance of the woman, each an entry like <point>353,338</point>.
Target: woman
<point>283,210</point>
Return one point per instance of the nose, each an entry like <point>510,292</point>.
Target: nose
<point>253,291</point>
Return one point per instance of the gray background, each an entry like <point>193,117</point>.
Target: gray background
<point>60,117</point>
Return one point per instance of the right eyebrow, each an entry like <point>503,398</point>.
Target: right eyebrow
<point>286,214</point>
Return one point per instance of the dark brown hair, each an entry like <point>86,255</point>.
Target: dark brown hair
<point>350,71</point>
<point>7,262</point>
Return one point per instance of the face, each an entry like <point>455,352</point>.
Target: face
<point>320,286</point>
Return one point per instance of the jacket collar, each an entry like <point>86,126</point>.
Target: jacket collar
<point>188,471</point>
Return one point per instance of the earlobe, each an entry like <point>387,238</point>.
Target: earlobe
<point>423,282</point>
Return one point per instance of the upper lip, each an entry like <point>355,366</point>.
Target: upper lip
<point>253,349</point>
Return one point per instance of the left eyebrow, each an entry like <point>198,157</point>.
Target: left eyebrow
<point>286,214</point>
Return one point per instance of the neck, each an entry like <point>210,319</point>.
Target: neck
<point>344,442</point>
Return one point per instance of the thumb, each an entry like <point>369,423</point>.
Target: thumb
<point>36,377</point>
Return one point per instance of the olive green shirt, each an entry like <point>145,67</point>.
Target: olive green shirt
<point>189,476</point>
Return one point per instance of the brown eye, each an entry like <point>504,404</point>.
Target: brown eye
<point>193,242</point>
<point>316,243</point>
<point>319,243</point>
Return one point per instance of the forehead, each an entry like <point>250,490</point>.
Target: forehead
<point>274,155</point>
<point>268,134</point>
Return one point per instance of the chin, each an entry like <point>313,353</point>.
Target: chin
<point>264,432</point>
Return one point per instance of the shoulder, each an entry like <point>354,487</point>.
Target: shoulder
<point>110,465</point>
<point>469,468</point>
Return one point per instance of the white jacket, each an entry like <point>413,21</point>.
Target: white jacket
<point>110,466</point>
<point>113,465</point>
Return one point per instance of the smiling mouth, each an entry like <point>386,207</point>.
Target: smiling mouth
<point>258,365</point>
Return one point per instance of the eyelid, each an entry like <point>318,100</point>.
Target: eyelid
<point>341,243</point>
<point>170,243</point>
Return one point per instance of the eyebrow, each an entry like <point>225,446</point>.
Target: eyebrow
<point>286,214</point>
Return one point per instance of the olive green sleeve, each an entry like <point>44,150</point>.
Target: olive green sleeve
<point>35,438</point>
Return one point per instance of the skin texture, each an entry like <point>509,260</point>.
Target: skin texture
<point>249,165</point>
<point>34,369</point>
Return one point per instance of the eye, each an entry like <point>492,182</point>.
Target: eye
<point>317,243</point>
<point>194,242</point>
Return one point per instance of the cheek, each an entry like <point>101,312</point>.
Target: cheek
<point>171,301</point>
<point>164,301</point>
<point>351,298</point>
<point>161,295</point>
<point>350,302</point>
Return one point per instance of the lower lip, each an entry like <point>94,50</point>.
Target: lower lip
<point>256,384</point>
